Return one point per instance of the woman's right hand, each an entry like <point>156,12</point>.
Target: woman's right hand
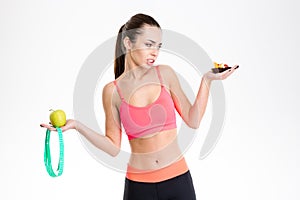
<point>70,124</point>
<point>210,76</point>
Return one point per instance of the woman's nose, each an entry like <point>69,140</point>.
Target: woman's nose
<point>154,52</point>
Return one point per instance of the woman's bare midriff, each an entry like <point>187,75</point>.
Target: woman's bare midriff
<point>155,151</point>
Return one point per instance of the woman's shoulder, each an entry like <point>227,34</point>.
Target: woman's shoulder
<point>108,92</point>
<point>167,72</point>
<point>109,87</point>
<point>164,67</point>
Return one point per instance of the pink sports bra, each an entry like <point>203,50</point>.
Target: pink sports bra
<point>155,117</point>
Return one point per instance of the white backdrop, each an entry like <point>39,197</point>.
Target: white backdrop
<point>44,44</point>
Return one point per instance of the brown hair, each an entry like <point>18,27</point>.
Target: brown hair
<point>131,29</point>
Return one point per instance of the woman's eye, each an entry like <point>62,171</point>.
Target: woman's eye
<point>151,45</point>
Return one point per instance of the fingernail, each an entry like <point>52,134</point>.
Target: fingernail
<point>236,67</point>
<point>41,125</point>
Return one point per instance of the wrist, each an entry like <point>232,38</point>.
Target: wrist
<point>207,79</point>
<point>75,124</point>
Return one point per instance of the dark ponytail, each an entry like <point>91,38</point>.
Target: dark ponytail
<point>119,63</point>
<point>131,29</point>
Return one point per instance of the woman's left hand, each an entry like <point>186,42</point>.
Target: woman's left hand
<point>210,76</point>
<point>70,124</point>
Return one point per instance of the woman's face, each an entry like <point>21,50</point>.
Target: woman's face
<point>145,50</point>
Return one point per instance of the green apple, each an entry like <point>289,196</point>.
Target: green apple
<point>58,118</point>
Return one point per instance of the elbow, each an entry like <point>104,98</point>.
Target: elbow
<point>194,124</point>
<point>193,118</point>
<point>115,152</point>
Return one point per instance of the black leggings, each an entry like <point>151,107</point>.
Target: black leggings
<point>179,188</point>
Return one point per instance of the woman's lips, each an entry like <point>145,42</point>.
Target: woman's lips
<point>150,61</point>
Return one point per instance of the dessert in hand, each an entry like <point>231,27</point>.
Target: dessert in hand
<point>220,67</point>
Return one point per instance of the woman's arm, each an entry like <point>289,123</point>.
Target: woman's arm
<point>103,142</point>
<point>111,141</point>
<point>197,110</point>
<point>191,113</point>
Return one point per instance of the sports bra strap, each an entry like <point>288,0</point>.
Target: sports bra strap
<point>118,89</point>
<point>159,76</point>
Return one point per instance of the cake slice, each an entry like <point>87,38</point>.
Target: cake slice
<point>220,67</point>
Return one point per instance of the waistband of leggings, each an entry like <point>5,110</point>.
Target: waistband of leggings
<point>152,176</point>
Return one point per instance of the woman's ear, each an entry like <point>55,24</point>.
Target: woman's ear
<point>127,43</point>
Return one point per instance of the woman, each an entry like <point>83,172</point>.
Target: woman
<point>143,98</point>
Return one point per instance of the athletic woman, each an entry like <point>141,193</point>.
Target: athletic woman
<point>143,98</point>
